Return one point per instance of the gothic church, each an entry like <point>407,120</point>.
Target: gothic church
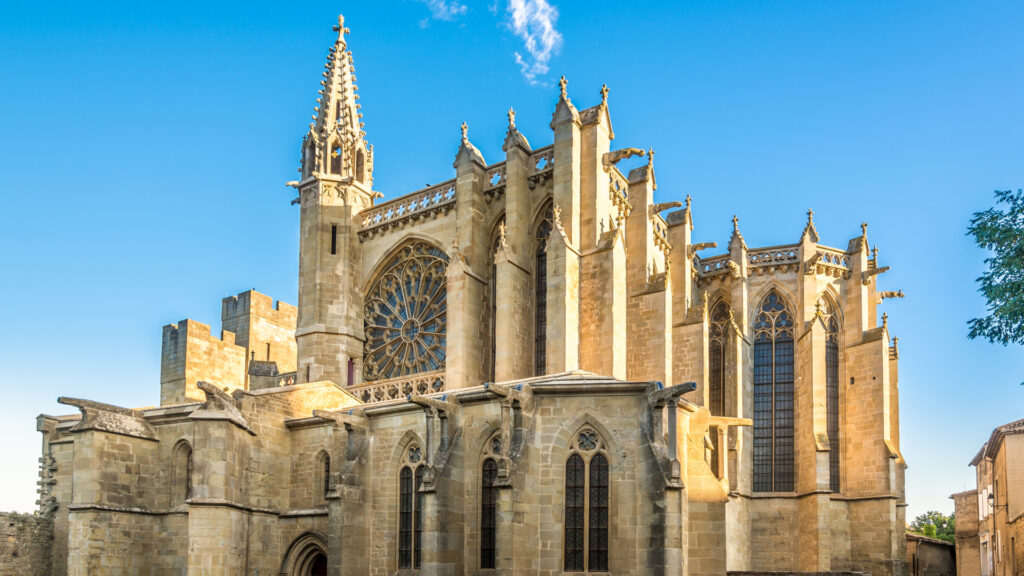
<point>529,369</point>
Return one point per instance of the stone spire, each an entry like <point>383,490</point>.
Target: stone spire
<point>336,143</point>
<point>810,231</point>
<point>512,136</point>
<point>564,110</point>
<point>467,152</point>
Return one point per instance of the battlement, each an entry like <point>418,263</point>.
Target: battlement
<point>190,353</point>
<point>253,303</point>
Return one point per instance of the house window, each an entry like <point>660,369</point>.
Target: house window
<point>773,396</point>
<point>587,486</point>
<point>410,501</point>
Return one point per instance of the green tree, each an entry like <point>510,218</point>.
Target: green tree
<point>935,525</point>
<point>1002,233</point>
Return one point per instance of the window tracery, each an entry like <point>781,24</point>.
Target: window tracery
<point>773,396</point>
<point>587,489</point>
<point>716,378</point>
<point>410,504</point>
<point>405,314</point>
<point>540,278</point>
<point>831,320</point>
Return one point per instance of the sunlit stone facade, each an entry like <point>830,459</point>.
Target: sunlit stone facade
<point>530,368</point>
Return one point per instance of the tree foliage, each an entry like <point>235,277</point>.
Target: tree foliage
<point>935,525</point>
<point>1002,233</point>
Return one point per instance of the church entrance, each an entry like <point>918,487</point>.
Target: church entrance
<point>318,567</point>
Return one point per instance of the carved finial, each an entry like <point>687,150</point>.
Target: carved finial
<point>465,132</point>
<point>817,309</point>
<point>863,228</point>
<point>604,94</point>
<point>556,216</point>
<point>735,223</point>
<point>810,217</point>
<point>562,83</point>
<point>511,119</point>
<point>874,253</point>
<point>885,320</point>
<point>688,201</point>
<point>340,28</point>
<point>650,156</point>
<point>501,233</point>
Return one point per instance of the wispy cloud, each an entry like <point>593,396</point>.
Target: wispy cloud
<point>447,10</point>
<point>533,21</point>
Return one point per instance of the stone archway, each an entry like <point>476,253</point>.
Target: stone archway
<point>307,556</point>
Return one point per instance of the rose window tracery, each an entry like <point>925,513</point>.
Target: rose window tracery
<point>405,314</point>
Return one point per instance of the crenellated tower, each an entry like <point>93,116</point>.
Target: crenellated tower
<point>336,185</point>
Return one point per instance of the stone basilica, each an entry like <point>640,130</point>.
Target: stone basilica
<point>530,368</point>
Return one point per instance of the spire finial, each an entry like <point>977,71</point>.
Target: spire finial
<point>885,320</point>
<point>688,201</point>
<point>511,119</point>
<point>562,83</point>
<point>810,217</point>
<point>650,156</point>
<point>604,94</point>
<point>735,223</point>
<point>340,28</point>
<point>501,233</point>
<point>863,228</point>
<point>874,253</point>
<point>465,132</point>
<point>817,309</point>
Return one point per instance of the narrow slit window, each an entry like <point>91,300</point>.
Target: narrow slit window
<point>334,238</point>
<point>488,514</point>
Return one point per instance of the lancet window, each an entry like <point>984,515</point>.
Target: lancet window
<point>405,314</point>
<point>831,319</point>
<point>773,396</point>
<point>488,513</point>
<point>494,305</point>
<point>182,476</point>
<point>587,487</point>
<point>716,357</point>
<point>324,476</point>
<point>540,278</point>
<point>335,153</point>
<point>410,505</point>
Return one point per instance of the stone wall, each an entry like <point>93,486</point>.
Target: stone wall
<point>25,544</point>
<point>191,354</point>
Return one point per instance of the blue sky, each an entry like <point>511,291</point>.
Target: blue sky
<point>144,151</point>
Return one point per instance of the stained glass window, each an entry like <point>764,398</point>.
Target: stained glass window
<point>405,518</point>
<point>405,314</point>
<point>410,506</point>
<point>587,494</point>
<point>417,534</point>
<point>716,357</point>
<point>832,392</point>
<point>540,279</point>
<point>488,514</point>
<point>773,396</point>
<point>575,481</point>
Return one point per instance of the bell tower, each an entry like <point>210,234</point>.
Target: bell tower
<point>337,175</point>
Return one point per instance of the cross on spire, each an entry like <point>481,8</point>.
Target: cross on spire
<point>465,131</point>
<point>863,228</point>
<point>604,94</point>
<point>810,216</point>
<point>340,28</point>
<point>735,223</point>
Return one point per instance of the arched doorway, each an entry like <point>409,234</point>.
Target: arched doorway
<point>318,567</point>
<point>307,556</point>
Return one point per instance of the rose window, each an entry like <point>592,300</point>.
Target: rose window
<point>405,314</point>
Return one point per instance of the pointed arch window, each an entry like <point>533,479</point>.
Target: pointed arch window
<point>488,514</point>
<point>773,396</point>
<point>335,154</point>
<point>716,358</point>
<point>324,476</point>
<point>587,495</point>
<point>181,484</point>
<point>540,292</point>
<point>831,319</point>
<point>410,504</point>
<point>494,304</point>
<point>405,314</point>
